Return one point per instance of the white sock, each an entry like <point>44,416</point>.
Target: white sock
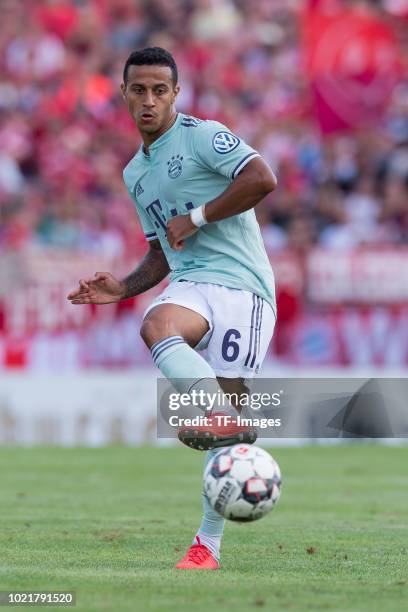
<point>213,543</point>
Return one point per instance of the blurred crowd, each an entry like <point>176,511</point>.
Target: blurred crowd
<point>65,134</point>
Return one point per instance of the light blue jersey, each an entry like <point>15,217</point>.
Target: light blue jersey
<point>189,165</point>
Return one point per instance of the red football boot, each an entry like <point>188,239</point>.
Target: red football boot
<point>217,433</point>
<point>198,557</point>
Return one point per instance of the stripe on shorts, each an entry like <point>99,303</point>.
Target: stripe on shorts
<point>251,335</point>
<point>258,309</point>
<point>258,335</point>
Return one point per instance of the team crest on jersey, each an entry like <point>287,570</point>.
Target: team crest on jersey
<point>224,142</point>
<point>175,166</point>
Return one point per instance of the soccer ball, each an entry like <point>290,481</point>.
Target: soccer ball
<point>242,482</point>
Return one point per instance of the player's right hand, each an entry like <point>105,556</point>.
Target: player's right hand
<point>103,288</point>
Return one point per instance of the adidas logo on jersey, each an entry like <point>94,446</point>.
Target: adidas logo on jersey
<point>139,190</point>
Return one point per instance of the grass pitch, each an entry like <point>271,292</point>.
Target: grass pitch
<point>110,524</point>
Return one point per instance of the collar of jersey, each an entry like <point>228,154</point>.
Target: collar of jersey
<point>163,138</point>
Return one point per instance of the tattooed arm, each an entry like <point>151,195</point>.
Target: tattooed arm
<point>104,288</point>
<point>152,269</point>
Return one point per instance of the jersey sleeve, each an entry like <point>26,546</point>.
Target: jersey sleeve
<point>219,150</point>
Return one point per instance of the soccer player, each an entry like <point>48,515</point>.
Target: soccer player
<point>195,185</point>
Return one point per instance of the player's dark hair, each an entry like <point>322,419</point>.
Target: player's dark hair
<point>151,56</point>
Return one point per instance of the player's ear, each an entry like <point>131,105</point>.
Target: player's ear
<point>123,90</point>
<point>176,90</point>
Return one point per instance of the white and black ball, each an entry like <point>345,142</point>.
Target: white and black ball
<point>242,482</point>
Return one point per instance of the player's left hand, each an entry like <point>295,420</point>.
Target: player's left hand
<point>179,228</point>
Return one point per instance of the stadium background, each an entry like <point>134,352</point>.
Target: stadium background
<point>319,87</point>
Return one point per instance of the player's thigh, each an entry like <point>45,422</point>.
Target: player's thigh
<point>243,325</point>
<point>168,320</point>
<point>180,310</point>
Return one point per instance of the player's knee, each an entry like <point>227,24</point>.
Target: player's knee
<point>156,328</point>
<point>148,331</point>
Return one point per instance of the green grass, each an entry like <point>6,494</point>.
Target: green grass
<point>110,524</point>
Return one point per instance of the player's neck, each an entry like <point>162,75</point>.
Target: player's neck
<point>149,139</point>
